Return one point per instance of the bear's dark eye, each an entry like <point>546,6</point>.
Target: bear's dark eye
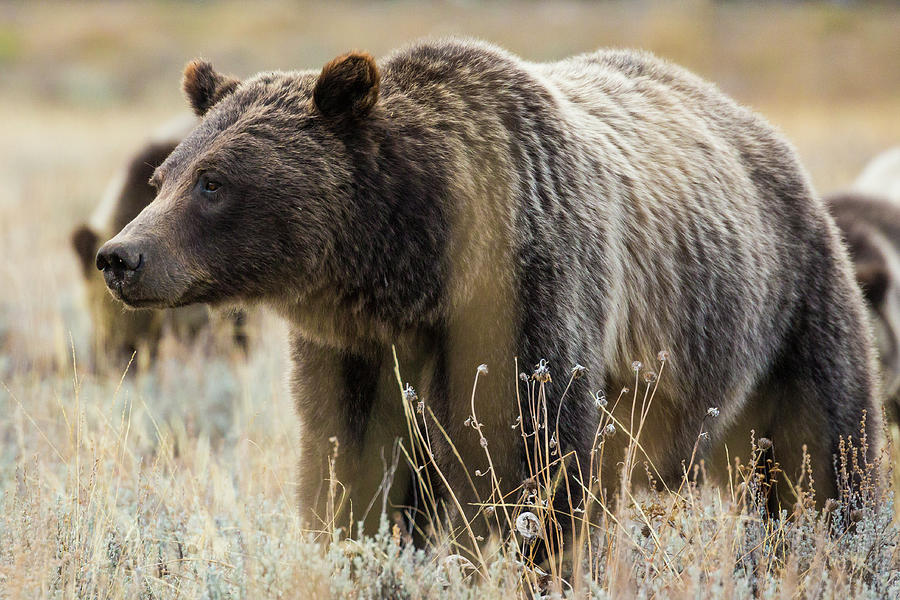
<point>209,186</point>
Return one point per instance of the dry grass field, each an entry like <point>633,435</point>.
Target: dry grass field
<point>178,481</point>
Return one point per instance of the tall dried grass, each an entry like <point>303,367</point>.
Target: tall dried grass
<point>112,496</point>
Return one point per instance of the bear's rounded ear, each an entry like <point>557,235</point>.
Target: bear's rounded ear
<point>84,241</point>
<point>204,87</point>
<point>348,85</point>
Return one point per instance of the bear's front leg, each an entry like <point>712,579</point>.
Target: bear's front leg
<point>334,392</point>
<point>351,420</point>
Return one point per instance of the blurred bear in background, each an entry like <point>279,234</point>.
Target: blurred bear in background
<point>118,333</point>
<point>881,177</point>
<point>870,226</point>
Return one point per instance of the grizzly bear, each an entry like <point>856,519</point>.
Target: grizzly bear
<point>870,226</point>
<point>457,205</point>
<point>118,333</point>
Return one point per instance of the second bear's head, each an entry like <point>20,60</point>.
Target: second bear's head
<point>265,192</point>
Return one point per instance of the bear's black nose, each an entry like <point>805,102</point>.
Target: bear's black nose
<point>119,258</point>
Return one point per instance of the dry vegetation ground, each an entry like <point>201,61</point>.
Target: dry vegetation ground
<point>179,482</point>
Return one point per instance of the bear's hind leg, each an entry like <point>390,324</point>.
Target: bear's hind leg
<point>823,392</point>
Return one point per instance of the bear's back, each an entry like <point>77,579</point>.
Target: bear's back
<point>613,106</point>
<point>636,89</point>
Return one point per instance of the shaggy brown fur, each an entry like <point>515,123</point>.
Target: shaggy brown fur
<point>592,211</point>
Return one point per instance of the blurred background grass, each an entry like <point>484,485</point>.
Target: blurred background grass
<point>82,85</point>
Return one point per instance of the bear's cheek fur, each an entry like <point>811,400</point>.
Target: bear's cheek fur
<point>234,252</point>
<point>275,240</point>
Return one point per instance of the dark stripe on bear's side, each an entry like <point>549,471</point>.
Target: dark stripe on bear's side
<point>360,378</point>
<point>545,207</point>
<point>437,399</point>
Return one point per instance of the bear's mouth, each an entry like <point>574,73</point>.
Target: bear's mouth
<point>143,288</point>
<point>132,300</point>
<point>131,294</point>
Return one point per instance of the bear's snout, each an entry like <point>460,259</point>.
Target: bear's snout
<point>136,274</point>
<point>119,261</point>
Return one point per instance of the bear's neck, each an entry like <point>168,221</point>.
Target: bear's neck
<point>390,264</point>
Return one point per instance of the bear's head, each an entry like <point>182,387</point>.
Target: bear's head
<point>117,333</point>
<point>254,202</point>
